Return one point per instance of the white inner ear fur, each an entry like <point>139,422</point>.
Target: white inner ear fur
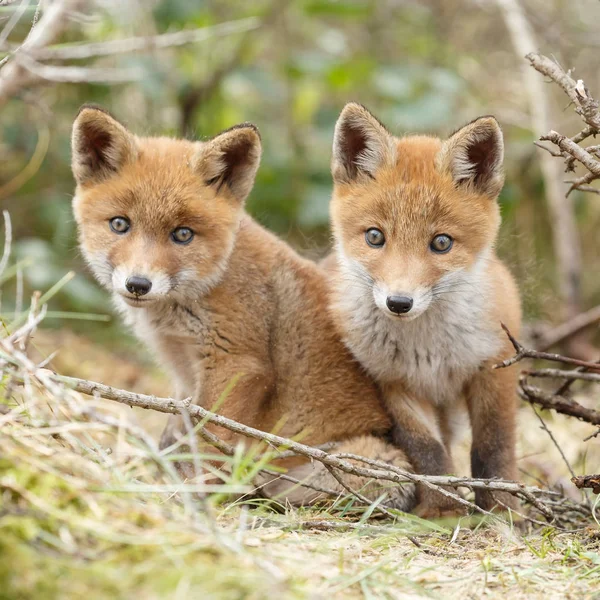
<point>360,144</point>
<point>454,155</point>
<point>233,155</point>
<point>100,145</point>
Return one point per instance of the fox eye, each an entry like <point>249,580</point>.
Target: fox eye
<point>182,235</point>
<point>374,237</point>
<point>119,224</point>
<point>441,243</point>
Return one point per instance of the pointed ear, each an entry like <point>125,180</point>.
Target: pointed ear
<point>361,145</point>
<point>231,158</point>
<point>100,145</point>
<point>473,156</point>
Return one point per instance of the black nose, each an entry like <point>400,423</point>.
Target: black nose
<point>399,304</point>
<point>138,286</point>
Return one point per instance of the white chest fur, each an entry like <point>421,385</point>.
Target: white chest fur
<point>433,354</point>
<point>175,336</point>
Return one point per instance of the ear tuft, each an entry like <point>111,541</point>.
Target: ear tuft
<point>361,145</point>
<point>473,155</point>
<point>100,145</point>
<point>231,158</point>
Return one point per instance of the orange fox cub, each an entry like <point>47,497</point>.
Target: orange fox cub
<point>216,297</point>
<point>420,294</point>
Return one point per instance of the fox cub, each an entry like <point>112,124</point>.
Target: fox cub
<point>420,294</point>
<point>217,297</point>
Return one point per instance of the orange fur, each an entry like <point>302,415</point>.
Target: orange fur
<point>434,354</point>
<point>234,305</point>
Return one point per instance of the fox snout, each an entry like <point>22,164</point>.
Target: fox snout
<point>399,305</point>
<point>401,301</point>
<point>138,286</point>
<point>135,285</point>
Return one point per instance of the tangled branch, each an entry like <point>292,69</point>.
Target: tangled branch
<point>25,64</point>
<point>376,469</point>
<point>557,400</point>
<point>588,109</point>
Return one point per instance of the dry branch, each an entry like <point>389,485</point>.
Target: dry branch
<point>22,66</point>
<point>588,109</point>
<point>588,481</point>
<point>561,404</point>
<point>548,400</point>
<point>13,75</point>
<point>585,105</point>
<point>145,43</point>
<point>522,352</point>
<point>380,470</point>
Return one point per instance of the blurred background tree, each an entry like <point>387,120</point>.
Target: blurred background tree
<point>289,66</point>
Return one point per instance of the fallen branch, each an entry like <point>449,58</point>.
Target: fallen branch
<point>381,470</point>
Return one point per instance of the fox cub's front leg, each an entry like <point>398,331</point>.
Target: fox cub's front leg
<point>416,431</point>
<point>492,403</point>
<point>236,391</point>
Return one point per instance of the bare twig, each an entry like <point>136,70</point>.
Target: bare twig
<point>588,109</point>
<point>7,241</point>
<point>24,65</point>
<point>13,75</point>
<point>145,44</point>
<point>554,401</point>
<point>522,352</point>
<point>585,105</point>
<point>556,444</point>
<point>560,404</point>
<point>562,374</point>
<point>71,74</point>
<point>384,472</point>
<point>593,435</point>
<point>587,481</point>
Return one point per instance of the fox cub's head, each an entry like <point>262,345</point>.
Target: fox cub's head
<point>414,218</point>
<point>158,217</point>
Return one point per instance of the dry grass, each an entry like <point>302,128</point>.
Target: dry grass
<point>89,508</point>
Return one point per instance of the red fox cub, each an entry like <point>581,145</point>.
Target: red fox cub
<point>420,294</point>
<point>216,297</point>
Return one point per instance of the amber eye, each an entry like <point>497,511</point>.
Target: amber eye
<point>119,224</point>
<point>441,243</point>
<point>182,235</point>
<point>375,237</point>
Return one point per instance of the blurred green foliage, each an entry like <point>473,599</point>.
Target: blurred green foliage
<point>419,66</point>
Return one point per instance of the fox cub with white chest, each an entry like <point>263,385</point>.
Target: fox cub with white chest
<point>420,294</point>
<point>216,297</point>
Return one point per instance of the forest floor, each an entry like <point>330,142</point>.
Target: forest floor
<point>86,511</point>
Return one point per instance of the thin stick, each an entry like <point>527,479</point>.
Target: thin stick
<point>169,405</point>
<point>145,43</point>
<point>562,374</point>
<point>522,352</point>
<point>7,241</point>
<point>587,481</point>
<point>560,404</point>
<point>556,444</point>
